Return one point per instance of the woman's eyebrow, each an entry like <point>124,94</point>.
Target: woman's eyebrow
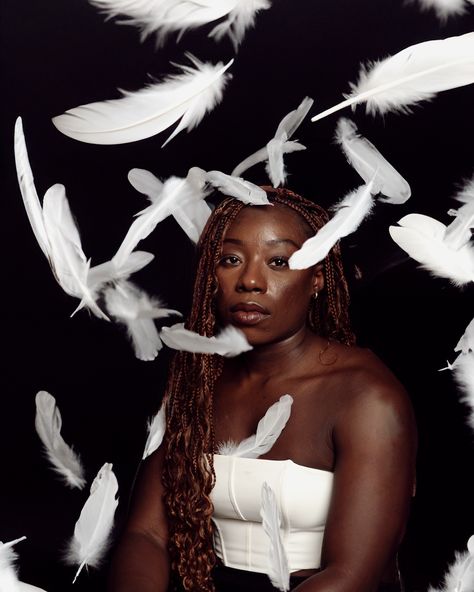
<point>271,242</point>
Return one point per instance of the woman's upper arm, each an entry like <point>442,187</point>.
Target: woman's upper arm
<point>375,443</point>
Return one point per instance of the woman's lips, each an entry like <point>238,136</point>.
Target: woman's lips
<point>248,313</point>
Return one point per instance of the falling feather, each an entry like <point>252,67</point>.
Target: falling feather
<point>460,574</point>
<point>137,115</point>
<point>444,8</point>
<point>463,369</point>
<point>48,424</point>
<point>240,18</point>
<point>278,570</point>
<point>415,74</point>
<point>108,272</point>
<point>156,431</point>
<point>237,187</point>
<point>458,233</point>
<point>422,237</point>
<point>351,211</point>
<point>136,310</point>
<point>229,343</point>
<point>279,145</point>
<point>364,157</point>
<point>466,343</point>
<point>269,429</point>
<point>8,578</point>
<point>92,531</point>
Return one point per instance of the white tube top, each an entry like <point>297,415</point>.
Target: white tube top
<point>303,496</point>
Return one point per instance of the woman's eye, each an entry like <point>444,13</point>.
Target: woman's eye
<point>279,262</point>
<point>230,260</point>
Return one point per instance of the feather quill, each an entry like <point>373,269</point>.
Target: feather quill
<point>136,310</point>
<point>351,211</point>
<point>364,157</point>
<point>460,574</point>
<point>137,115</point>
<point>229,343</point>
<point>93,529</point>
<point>415,74</point>
<point>278,570</point>
<point>156,432</point>
<point>269,429</point>
<point>279,145</point>
<point>422,237</point>
<point>8,577</point>
<point>48,425</point>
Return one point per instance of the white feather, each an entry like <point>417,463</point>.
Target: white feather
<point>137,115</point>
<point>136,310</point>
<point>458,233</point>
<point>240,18</point>
<point>415,74</point>
<point>279,145</point>
<point>156,432</point>
<point>422,237</point>
<point>463,369</point>
<point>269,429</point>
<point>8,578</point>
<point>278,570</point>
<point>466,342</point>
<point>444,8</point>
<point>229,343</point>
<point>237,187</point>
<point>460,574</point>
<point>48,424</point>
<point>351,211</point>
<point>92,531</point>
<point>364,157</point>
<point>109,272</point>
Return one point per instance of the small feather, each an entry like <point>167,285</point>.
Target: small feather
<point>364,157</point>
<point>269,429</point>
<point>278,570</point>
<point>466,343</point>
<point>229,343</point>
<point>137,115</point>
<point>415,74</point>
<point>156,431</point>
<point>237,187</point>
<point>444,8</point>
<point>422,237</point>
<point>92,531</point>
<point>48,424</point>
<point>351,211</point>
<point>109,272</point>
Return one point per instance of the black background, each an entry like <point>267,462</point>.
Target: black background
<point>56,55</point>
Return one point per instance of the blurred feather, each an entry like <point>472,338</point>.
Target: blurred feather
<point>351,211</point>
<point>237,187</point>
<point>240,18</point>
<point>137,115</point>
<point>415,74</point>
<point>156,431</point>
<point>48,424</point>
<point>466,342</point>
<point>8,576</point>
<point>229,342</point>
<point>423,238</point>
<point>278,570</point>
<point>444,8</point>
<point>463,369</point>
<point>279,145</point>
<point>92,531</point>
<point>136,310</point>
<point>269,429</point>
<point>458,233</point>
<point>460,574</point>
<point>364,157</point>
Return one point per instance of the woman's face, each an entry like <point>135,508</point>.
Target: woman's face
<point>257,291</point>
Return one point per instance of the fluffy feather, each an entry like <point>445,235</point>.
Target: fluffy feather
<point>136,310</point>
<point>137,115</point>
<point>269,429</point>
<point>279,145</point>
<point>108,272</point>
<point>413,75</point>
<point>460,574</point>
<point>463,369</point>
<point>93,529</point>
<point>278,570</point>
<point>239,19</point>
<point>466,342</point>
<point>458,233</point>
<point>237,187</point>
<point>48,424</point>
<point>156,431</point>
<point>8,577</point>
<point>422,237</point>
<point>229,343</point>
<point>351,211</point>
<point>364,157</point>
<point>444,8</point>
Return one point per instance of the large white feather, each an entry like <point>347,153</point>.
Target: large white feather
<point>109,272</point>
<point>278,570</point>
<point>48,424</point>
<point>229,343</point>
<point>137,115</point>
<point>156,432</point>
<point>93,529</point>
<point>369,163</point>
<point>463,368</point>
<point>415,74</point>
<point>280,144</point>
<point>237,187</point>
<point>269,429</point>
<point>460,574</point>
<point>136,310</point>
<point>8,578</point>
<point>351,211</point>
<point>422,237</point>
<point>466,342</point>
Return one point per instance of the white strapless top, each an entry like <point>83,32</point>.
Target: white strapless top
<point>303,495</point>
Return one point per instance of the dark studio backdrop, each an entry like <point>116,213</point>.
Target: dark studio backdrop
<point>56,55</point>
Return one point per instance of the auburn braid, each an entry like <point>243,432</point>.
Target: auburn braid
<point>188,468</point>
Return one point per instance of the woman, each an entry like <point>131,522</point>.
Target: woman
<point>350,438</point>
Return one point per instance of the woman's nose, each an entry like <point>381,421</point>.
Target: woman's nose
<point>251,279</point>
